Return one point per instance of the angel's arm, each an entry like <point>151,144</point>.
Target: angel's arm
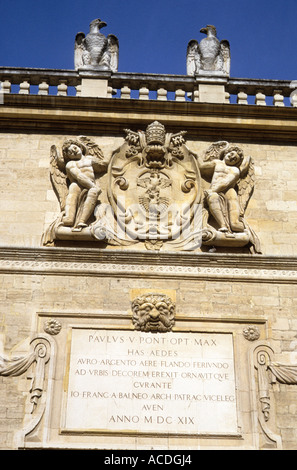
<point>245,165</point>
<point>205,165</point>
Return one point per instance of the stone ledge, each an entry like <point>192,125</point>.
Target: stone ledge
<point>94,115</point>
<point>98,262</point>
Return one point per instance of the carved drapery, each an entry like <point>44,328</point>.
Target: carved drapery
<point>269,372</point>
<point>38,355</point>
<point>283,373</point>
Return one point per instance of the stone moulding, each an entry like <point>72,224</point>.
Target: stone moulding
<point>90,115</point>
<point>96,262</point>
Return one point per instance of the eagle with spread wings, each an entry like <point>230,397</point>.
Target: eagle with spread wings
<point>210,55</point>
<point>94,50</point>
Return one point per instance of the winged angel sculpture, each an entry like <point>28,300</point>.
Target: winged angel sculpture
<point>230,175</point>
<point>95,50</point>
<point>73,176</point>
<point>211,55</point>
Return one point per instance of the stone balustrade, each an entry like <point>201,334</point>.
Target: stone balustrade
<point>140,86</point>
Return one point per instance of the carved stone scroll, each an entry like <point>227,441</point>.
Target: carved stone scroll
<point>269,372</point>
<point>39,355</point>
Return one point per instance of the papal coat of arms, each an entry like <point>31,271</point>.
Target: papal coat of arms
<point>153,193</point>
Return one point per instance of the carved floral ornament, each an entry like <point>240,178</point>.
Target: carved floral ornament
<point>153,193</point>
<point>251,333</point>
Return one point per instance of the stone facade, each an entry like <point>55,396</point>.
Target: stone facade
<point>74,285</point>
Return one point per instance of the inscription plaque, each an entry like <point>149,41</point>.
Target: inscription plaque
<point>165,383</point>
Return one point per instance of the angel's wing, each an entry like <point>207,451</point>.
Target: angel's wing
<point>58,176</point>
<point>95,151</point>
<point>246,183</point>
<point>193,57</point>
<point>214,150</point>
<point>225,49</point>
<point>78,50</point>
<point>113,46</point>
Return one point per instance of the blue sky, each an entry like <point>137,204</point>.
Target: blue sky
<point>153,34</point>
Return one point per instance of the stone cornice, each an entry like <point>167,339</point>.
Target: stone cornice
<point>99,116</point>
<point>98,262</point>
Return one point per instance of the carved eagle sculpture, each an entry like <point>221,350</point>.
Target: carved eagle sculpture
<point>210,55</point>
<point>95,50</point>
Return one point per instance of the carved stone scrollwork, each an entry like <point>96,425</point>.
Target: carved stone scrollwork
<point>38,355</point>
<point>269,372</point>
<point>262,363</point>
<point>153,313</point>
<point>262,355</point>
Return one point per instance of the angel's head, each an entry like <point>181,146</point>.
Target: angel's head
<point>73,149</point>
<point>232,156</point>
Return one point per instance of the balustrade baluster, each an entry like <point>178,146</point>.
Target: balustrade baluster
<point>62,88</point>
<point>180,95</point>
<point>43,88</point>
<point>260,98</point>
<point>24,88</point>
<point>144,93</point>
<point>293,98</point>
<point>278,99</point>
<point>227,97</point>
<point>195,96</point>
<point>6,86</point>
<point>242,97</point>
<point>78,90</point>
<point>125,92</point>
<point>162,94</point>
